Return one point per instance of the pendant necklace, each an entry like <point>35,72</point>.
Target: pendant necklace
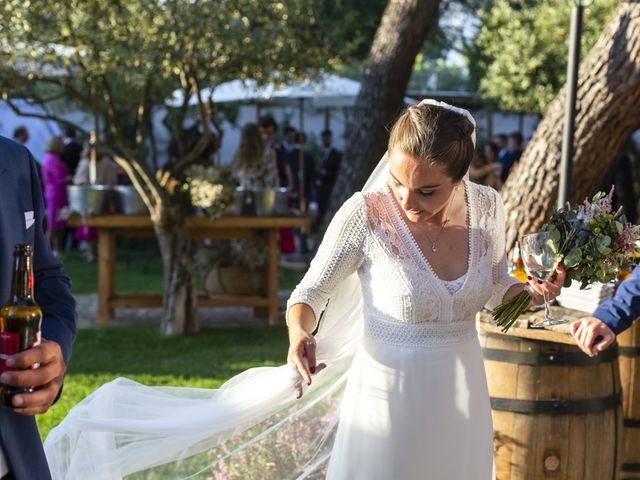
<point>434,243</point>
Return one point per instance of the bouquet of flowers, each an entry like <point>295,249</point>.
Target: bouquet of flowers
<point>592,243</point>
<point>211,189</point>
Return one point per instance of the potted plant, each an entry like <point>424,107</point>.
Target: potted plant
<point>234,267</point>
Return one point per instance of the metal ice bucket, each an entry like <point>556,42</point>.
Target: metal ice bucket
<point>263,202</point>
<point>88,200</point>
<point>130,201</point>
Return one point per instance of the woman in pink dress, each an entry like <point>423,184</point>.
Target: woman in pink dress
<point>55,178</point>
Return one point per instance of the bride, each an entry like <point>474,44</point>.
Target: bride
<point>392,383</point>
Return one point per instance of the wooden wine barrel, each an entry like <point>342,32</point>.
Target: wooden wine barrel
<point>629,361</point>
<point>556,412</point>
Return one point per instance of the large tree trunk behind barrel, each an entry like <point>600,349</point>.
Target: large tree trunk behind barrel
<point>608,111</point>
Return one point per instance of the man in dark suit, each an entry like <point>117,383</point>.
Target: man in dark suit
<point>21,222</point>
<point>71,150</point>
<point>594,334</point>
<point>512,155</point>
<point>329,166</point>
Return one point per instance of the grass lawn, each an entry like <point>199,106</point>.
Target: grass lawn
<point>140,353</point>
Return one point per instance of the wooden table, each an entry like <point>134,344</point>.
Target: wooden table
<point>110,226</point>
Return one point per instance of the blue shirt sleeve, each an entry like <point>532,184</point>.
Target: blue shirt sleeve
<point>620,311</point>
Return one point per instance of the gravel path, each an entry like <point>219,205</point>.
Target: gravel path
<point>87,306</point>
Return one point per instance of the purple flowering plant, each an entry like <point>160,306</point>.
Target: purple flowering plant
<point>590,240</point>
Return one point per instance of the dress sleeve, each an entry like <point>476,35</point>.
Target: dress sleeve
<point>502,281</point>
<point>340,254</point>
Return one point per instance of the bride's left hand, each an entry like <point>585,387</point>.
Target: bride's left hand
<point>552,288</point>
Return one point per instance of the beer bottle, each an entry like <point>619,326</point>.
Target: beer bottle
<point>20,319</point>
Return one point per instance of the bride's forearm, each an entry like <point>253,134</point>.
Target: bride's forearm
<point>301,316</point>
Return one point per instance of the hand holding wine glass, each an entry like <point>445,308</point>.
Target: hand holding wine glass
<point>539,259</point>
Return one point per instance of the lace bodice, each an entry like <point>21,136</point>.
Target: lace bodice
<point>369,236</point>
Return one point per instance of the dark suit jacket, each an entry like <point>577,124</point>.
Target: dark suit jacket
<point>21,221</point>
<point>508,160</point>
<point>292,157</point>
<point>620,311</point>
<point>71,156</point>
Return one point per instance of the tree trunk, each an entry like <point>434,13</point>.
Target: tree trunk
<point>180,299</point>
<point>400,35</point>
<point>608,111</point>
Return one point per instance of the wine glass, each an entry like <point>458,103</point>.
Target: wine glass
<point>539,259</point>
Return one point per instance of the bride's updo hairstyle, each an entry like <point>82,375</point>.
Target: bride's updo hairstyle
<point>435,135</point>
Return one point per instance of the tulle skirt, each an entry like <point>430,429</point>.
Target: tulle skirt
<point>415,412</point>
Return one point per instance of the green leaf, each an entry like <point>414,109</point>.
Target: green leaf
<point>573,258</point>
<point>602,244</point>
<point>554,233</point>
<point>619,227</point>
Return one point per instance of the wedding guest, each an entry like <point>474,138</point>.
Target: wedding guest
<point>21,453</point>
<point>21,134</point>
<point>486,169</point>
<point>107,172</point>
<point>596,333</point>
<point>71,151</point>
<point>254,164</point>
<point>55,177</point>
<point>513,154</point>
<point>330,159</point>
<point>501,140</point>
<point>303,173</point>
<point>269,129</point>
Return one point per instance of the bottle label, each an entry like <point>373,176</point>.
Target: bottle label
<point>9,345</point>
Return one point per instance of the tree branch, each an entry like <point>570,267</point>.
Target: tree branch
<point>43,116</point>
<point>143,112</point>
<point>204,141</point>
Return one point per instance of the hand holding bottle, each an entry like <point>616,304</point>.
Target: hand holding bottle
<point>44,382</point>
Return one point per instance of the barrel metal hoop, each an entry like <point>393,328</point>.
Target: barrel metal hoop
<point>630,467</point>
<point>588,405</point>
<point>560,358</point>
<point>632,422</point>
<point>630,351</point>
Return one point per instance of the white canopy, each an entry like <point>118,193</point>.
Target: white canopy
<point>324,92</point>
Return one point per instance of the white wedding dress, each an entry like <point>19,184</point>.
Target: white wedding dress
<point>416,404</point>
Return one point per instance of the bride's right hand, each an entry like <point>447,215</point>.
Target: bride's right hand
<point>302,353</point>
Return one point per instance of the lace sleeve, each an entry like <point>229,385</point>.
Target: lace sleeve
<point>340,254</point>
<point>502,281</point>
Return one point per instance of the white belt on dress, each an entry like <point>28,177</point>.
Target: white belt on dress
<point>419,334</point>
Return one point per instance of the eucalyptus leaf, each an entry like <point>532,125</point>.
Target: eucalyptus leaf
<point>554,235</point>
<point>573,258</point>
<point>619,227</point>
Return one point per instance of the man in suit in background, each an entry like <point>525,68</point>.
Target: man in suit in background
<point>328,172</point>
<point>21,222</point>
<point>71,150</point>
<point>512,155</point>
<point>594,334</point>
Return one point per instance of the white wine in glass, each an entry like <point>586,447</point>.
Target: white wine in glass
<point>539,260</point>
